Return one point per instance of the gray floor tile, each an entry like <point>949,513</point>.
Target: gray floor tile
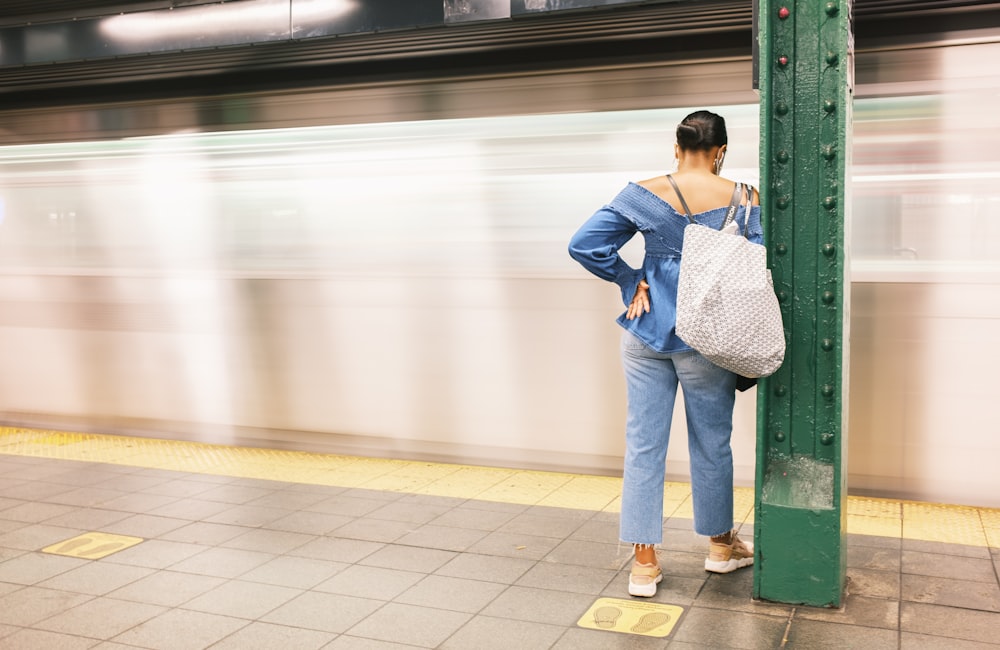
<point>298,572</point>
<point>253,516</point>
<point>338,550</point>
<point>411,513</point>
<point>820,635</point>
<point>179,488</point>
<point>421,626</point>
<point>204,533</point>
<point>276,542</point>
<point>157,554</point>
<point>598,530</point>
<point>552,512</point>
<point>457,594</point>
<point>325,612</point>
<point>408,558</point>
<point>736,630</point>
<point>167,588</point>
<point>529,547</point>
<point>41,639</point>
<point>191,509</point>
<point>539,606</point>
<point>344,504</point>
<point>33,568</point>
<point>473,518</point>
<point>7,526</point>
<point>289,499</point>
<point>241,599</point>
<point>442,537</point>
<point>34,513</point>
<point>346,642</point>
<point>952,593</point>
<point>951,622</point>
<point>89,518</point>
<point>27,606</point>
<point>876,584</point>
<point>567,577</point>
<point>857,610</point>
<point>962,550</point>
<point>100,618</point>
<point>223,562</point>
<point>495,506</point>
<point>734,592</point>
<point>911,641</point>
<point>875,541</point>
<point>370,582</point>
<point>145,526</point>
<point>236,494</point>
<point>485,633</point>
<point>591,554</point>
<point>542,526</point>
<point>86,497</point>
<point>310,523</point>
<point>949,566</point>
<point>200,631</point>
<point>374,530</point>
<point>96,578</point>
<point>36,491</point>
<point>491,568</point>
<point>873,557</point>
<point>267,636</point>
<point>35,537</point>
<point>133,482</point>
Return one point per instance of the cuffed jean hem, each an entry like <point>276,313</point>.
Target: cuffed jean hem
<point>652,379</point>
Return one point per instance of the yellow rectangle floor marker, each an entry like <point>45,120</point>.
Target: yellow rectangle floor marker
<point>631,617</point>
<point>92,546</point>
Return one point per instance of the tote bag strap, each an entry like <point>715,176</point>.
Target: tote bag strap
<point>746,212</point>
<point>734,203</point>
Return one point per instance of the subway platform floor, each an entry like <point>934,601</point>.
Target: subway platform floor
<point>113,542</point>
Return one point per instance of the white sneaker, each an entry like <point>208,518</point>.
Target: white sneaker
<point>643,579</point>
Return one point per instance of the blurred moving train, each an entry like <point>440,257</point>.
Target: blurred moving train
<point>381,268</point>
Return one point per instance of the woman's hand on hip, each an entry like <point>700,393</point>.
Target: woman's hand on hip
<point>640,301</point>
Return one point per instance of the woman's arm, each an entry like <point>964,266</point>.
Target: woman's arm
<point>595,246</point>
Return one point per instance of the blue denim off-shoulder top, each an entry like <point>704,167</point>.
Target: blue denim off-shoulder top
<point>635,209</point>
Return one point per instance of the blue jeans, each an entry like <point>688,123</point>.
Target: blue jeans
<point>709,395</point>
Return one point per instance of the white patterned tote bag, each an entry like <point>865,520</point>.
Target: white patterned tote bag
<point>726,307</point>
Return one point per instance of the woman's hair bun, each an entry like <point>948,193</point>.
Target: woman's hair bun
<point>702,130</point>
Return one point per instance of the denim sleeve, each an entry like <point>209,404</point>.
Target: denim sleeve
<point>595,246</point>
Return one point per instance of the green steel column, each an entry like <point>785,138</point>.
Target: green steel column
<point>806,85</point>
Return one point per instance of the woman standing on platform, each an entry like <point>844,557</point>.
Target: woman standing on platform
<point>656,360</point>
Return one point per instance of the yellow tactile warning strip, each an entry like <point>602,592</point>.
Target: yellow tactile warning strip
<point>631,617</point>
<point>865,516</point>
<point>92,546</point>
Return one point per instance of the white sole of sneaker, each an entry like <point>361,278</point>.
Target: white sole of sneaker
<point>644,591</point>
<point>728,566</point>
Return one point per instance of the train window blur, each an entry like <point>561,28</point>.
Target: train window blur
<point>495,195</point>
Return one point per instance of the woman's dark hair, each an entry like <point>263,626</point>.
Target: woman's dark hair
<point>701,131</point>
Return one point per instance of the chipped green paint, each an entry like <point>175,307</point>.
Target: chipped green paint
<point>806,84</point>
